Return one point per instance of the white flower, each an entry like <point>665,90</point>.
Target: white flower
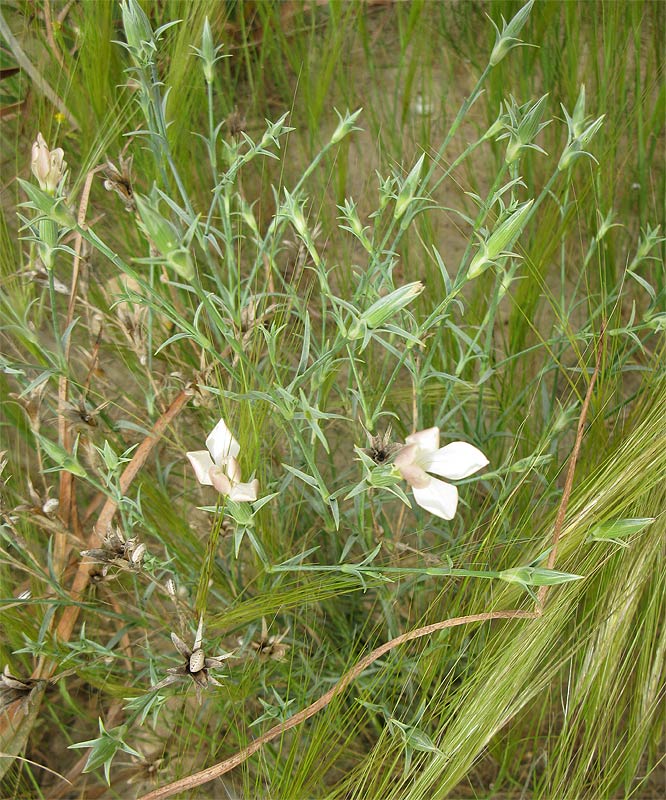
<point>218,467</point>
<point>422,454</point>
<point>48,166</point>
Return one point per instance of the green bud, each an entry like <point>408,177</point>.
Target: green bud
<point>617,530</point>
<point>408,189</point>
<point>606,224</point>
<point>500,239</point>
<point>207,51</point>
<point>385,308</point>
<point>523,124</point>
<point>249,218</point>
<point>161,232</point>
<point>48,241</point>
<point>506,39</point>
<point>536,576</point>
<point>180,261</point>
<point>138,31</point>
<point>649,240</point>
<point>576,147</point>
<point>165,237</point>
<point>345,125</point>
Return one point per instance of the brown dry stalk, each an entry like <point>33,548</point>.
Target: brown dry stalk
<point>68,511</point>
<point>206,775</point>
<point>573,459</point>
<point>50,38</point>
<point>219,769</point>
<point>82,577</point>
<point>71,613</point>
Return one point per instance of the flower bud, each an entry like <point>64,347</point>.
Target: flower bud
<point>502,237</point>
<point>166,238</point>
<point>385,308</point>
<point>506,39</point>
<point>48,166</point>
<point>207,52</point>
<point>408,189</point>
<point>138,31</point>
<point>345,126</point>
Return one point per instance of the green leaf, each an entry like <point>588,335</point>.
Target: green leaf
<point>64,461</point>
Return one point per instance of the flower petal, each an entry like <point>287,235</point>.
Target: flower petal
<point>427,440</point>
<point>245,492</point>
<point>439,498</point>
<point>180,645</point>
<point>455,461</point>
<point>202,462</point>
<point>406,456</point>
<point>232,468</point>
<point>414,475</point>
<point>220,480</point>
<point>221,443</point>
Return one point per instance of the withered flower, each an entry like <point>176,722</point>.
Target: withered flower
<point>43,277</point>
<point>13,689</point>
<point>382,449</point>
<point>147,769</point>
<point>39,504</point>
<point>196,666</point>
<point>82,416</point>
<point>115,550</point>
<point>132,324</point>
<point>270,647</point>
<point>236,123</point>
<point>120,181</point>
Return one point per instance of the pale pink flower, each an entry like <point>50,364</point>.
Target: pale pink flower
<point>48,166</point>
<point>422,455</point>
<point>217,466</point>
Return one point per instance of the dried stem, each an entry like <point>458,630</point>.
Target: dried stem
<point>68,511</point>
<point>206,775</point>
<point>71,613</point>
<point>50,37</point>
<point>573,459</point>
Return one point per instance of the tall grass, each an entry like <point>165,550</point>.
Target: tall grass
<point>261,302</point>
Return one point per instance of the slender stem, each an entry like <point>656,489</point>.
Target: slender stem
<point>210,774</point>
<point>209,561</point>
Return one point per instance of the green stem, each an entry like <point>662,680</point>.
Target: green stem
<point>209,561</point>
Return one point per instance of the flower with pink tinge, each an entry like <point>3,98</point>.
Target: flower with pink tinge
<point>422,455</point>
<point>217,466</point>
<point>48,166</point>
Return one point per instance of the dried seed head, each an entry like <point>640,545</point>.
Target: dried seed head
<point>50,506</point>
<point>115,550</point>
<point>197,660</point>
<point>137,554</point>
<point>120,181</point>
<point>13,689</point>
<point>382,449</point>
<point>270,647</point>
<point>196,665</point>
<point>98,573</point>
